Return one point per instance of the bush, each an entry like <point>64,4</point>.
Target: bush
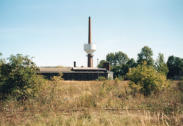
<point>101,78</point>
<point>147,79</point>
<point>135,88</point>
<point>18,78</point>
<point>57,78</point>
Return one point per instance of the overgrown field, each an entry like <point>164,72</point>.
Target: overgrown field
<point>95,103</point>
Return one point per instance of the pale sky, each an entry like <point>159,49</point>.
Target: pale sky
<point>54,31</point>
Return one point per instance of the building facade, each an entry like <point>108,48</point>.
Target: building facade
<point>76,73</point>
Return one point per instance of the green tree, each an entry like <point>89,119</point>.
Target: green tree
<point>19,77</point>
<point>119,71</point>
<point>146,79</point>
<point>121,58</point>
<point>111,59</point>
<point>101,64</point>
<point>1,61</point>
<point>131,63</point>
<point>175,66</point>
<point>145,56</point>
<point>118,58</point>
<point>118,62</point>
<point>160,64</point>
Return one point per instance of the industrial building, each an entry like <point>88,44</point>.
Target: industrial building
<point>80,73</point>
<point>74,73</point>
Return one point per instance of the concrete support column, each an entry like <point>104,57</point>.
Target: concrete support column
<point>90,60</point>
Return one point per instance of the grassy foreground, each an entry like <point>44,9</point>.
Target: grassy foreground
<point>95,103</point>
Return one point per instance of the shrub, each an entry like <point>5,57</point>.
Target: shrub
<point>147,79</point>
<point>121,78</point>
<point>135,88</point>
<point>57,78</point>
<point>101,78</point>
<point>18,78</point>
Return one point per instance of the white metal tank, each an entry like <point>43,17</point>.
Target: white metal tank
<point>89,48</point>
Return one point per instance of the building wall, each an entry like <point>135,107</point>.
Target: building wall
<point>83,76</point>
<point>77,76</point>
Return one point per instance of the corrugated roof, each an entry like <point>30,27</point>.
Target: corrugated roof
<point>55,69</point>
<point>88,69</point>
<point>70,69</point>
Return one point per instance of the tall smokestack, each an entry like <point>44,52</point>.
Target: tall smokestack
<point>90,56</point>
<point>90,48</point>
<point>89,30</point>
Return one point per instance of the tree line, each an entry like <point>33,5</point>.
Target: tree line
<point>19,78</point>
<point>120,63</point>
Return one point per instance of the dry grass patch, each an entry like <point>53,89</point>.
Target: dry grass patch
<point>107,103</point>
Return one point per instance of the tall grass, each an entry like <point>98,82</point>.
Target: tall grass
<point>78,103</point>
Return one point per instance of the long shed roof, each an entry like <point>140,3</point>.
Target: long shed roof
<point>69,69</point>
<point>55,69</point>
